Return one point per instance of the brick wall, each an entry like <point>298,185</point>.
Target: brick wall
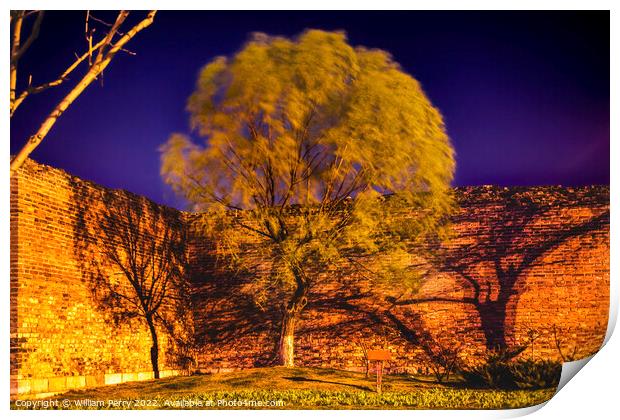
<point>522,261</point>
<point>66,330</point>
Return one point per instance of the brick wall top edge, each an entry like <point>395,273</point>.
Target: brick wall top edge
<point>31,165</point>
<point>536,195</point>
<point>597,195</point>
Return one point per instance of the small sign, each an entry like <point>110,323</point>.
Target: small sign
<point>379,355</point>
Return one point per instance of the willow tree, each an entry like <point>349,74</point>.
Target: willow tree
<point>329,157</point>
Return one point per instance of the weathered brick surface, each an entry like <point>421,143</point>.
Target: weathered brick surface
<point>539,258</point>
<point>60,325</point>
<point>522,261</point>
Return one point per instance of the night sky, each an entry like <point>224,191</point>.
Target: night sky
<point>525,95</point>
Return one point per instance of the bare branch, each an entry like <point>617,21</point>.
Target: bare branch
<point>15,36</point>
<point>108,39</point>
<point>95,70</point>
<point>30,13</point>
<point>89,38</point>
<point>17,54</point>
<point>31,90</point>
<point>103,22</point>
<point>125,50</point>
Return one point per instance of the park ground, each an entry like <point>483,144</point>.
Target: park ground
<point>294,388</point>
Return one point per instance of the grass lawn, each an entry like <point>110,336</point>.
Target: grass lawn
<point>295,388</point>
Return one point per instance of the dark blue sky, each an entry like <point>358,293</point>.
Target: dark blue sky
<point>525,95</point>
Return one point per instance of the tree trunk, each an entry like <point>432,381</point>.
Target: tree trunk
<point>154,348</point>
<point>286,346</point>
<point>493,323</point>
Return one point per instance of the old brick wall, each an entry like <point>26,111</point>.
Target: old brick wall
<point>66,332</point>
<point>522,262</point>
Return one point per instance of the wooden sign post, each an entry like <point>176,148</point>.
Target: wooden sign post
<point>379,357</point>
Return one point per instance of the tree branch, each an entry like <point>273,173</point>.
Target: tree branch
<point>90,76</point>
<point>31,90</point>
<point>34,34</point>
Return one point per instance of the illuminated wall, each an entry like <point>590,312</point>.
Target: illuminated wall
<point>524,263</point>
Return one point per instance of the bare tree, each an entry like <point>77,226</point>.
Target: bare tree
<point>442,358</point>
<point>146,247</point>
<point>566,355</point>
<point>98,55</point>
<point>360,342</point>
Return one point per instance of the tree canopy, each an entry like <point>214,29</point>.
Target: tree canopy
<point>334,153</point>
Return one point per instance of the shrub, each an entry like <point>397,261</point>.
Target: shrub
<point>499,373</point>
<point>493,373</point>
<point>442,359</point>
<point>532,374</point>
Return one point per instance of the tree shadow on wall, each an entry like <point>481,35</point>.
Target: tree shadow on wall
<point>512,241</point>
<point>228,320</point>
<point>438,355</point>
<point>231,321</point>
<point>347,299</point>
<point>132,253</point>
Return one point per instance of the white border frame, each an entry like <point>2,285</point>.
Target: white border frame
<point>592,394</point>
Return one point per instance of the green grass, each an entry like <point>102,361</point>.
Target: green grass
<point>297,388</point>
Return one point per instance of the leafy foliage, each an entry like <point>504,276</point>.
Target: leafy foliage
<point>536,374</point>
<point>499,373</point>
<point>334,153</point>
